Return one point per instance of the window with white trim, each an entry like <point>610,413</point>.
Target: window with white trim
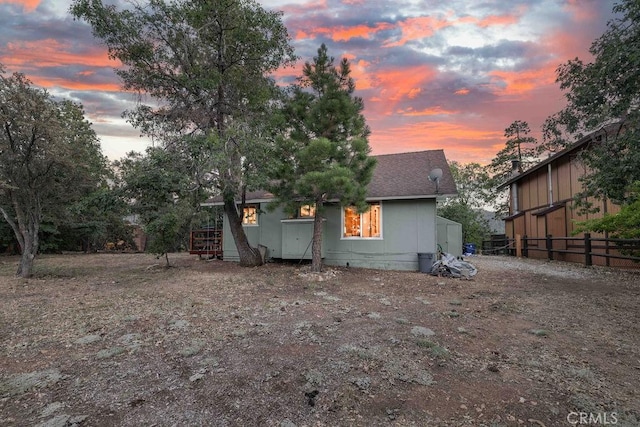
<point>250,215</point>
<point>307,211</point>
<point>366,225</point>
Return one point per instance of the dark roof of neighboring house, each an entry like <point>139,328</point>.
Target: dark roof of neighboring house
<point>396,176</point>
<point>581,143</point>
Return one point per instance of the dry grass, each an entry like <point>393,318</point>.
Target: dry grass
<point>115,339</point>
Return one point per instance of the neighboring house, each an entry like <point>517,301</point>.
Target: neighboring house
<point>542,201</point>
<point>400,223</point>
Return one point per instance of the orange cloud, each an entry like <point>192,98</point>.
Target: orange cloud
<point>360,73</point>
<point>418,28</point>
<point>400,82</point>
<point>463,91</point>
<point>462,143</point>
<point>433,111</point>
<point>27,5</point>
<point>493,20</point>
<point>344,34</point>
<point>28,57</point>
<point>522,82</point>
<point>413,93</point>
<point>75,84</point>
<point>52,53</point>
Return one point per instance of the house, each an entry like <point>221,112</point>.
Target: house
<point>400,222</point>
<point>542,203</point>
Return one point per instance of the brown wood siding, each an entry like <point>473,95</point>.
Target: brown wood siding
<point>543,188</point>
<point>519,226</point>
<point>560,220</point>
<point>577,170</point>
<point>523,195</point>
<point>563,178</point>
<point>532,225</point>
<point>508,228</point>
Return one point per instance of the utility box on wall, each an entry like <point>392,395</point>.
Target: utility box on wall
<point>297,235</point>
<point>449,236</point>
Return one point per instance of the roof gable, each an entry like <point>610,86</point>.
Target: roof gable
<point>396,176</point>
<point>581,144</point>
<point>406,175</point>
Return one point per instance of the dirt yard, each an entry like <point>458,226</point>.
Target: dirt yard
<point>117,340</point>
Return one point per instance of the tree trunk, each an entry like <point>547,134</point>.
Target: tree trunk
<point>316,245</point>
<point>249,256</point>
<point>25,268</point>
<point>26,231</point>
<point>29,246</point>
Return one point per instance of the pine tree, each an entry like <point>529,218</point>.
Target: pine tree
<point>325,155</point>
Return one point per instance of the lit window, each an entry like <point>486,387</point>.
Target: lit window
<point>250,215</point>
<point>307,211</point>
<point>364,225</point>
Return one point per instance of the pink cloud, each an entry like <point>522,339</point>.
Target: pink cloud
<point>343,34</point>
<point>418,28</point>
<point>27,5</point>
<point>301,9</point>
<point>461,142</point>
<point>398,83</point>
<point>28,57</point>
<point>433,111</point>
<point>577,10</point>
<point>521,82</point>
<point>494,20</point>
<point>53,53</point>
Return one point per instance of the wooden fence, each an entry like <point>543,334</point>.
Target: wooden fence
<point>587,249</point>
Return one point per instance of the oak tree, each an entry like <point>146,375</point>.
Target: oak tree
<point>49,158</point>
<point>206,66</point>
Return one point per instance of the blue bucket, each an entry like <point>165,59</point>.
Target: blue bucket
<point>469,248</point>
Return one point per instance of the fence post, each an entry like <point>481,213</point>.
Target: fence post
<point>518,243</point>
<point>549,247</point>
<point>525,246</point>
<point>588,261</point>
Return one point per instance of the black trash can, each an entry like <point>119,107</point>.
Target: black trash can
<point>425,262</point>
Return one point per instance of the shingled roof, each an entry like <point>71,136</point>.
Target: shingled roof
<point>396,176</point>
<point>406,176</point>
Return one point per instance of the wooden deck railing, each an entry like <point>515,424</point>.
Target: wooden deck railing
<point>207,242</point>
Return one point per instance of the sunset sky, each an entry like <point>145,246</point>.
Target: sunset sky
<point>433,74</point>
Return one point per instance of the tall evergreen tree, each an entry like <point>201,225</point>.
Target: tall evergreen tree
<point>325,155</point>
<point>519,147</point>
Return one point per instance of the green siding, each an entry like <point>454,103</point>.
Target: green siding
<point>408,227</point>
<point>296,239</point>
<point>267,233</point>
<point>449,236</point>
